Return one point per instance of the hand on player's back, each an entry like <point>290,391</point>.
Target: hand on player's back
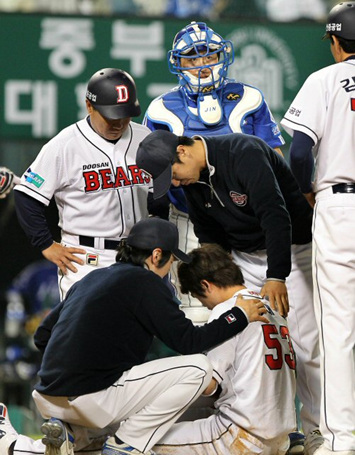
<point>254,308</point>
<point>63,256</point>
<point>276,291</point>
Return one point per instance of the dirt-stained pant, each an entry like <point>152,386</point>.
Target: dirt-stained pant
<point>217,436</point>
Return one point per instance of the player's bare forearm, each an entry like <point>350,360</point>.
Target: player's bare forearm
<point>311,199</point>
<point>64,256</point>
<point>276,291</point>
<point>254,308</point>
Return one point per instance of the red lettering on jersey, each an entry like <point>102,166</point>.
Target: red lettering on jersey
<point>275,361</point>
<point>121,178</point>
<point>106,177</point>
<point>290,358</point>
<point>122,93</point>
<point>137,175</point>
<point>352,101</point>
<point>91,181</point>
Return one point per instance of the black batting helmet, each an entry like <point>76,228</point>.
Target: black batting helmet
<point>341,21</point>
<point>113,93</point>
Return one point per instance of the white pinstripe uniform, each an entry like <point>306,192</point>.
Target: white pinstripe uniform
<point>329,119</point>
<point>255,411</point>
<point>99,191</point>
<point>174,380</point>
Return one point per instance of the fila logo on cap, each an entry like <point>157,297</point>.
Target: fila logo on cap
<point>122,93</point>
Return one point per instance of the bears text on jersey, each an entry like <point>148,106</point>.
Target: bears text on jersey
<point>104,179</point>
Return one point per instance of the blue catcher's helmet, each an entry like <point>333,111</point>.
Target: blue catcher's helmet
<point>197,40</point>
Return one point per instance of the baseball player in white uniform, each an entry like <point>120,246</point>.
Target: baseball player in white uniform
<point>90,169</point>
<point>322,121</point>
<point>205,102</point>
<point>93,379</point>
<point>255,370</point>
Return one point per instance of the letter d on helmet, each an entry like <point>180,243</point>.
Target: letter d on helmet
<point>113,93</point>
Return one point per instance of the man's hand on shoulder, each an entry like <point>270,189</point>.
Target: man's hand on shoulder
<point>276,291</point>
<point>253,308</point>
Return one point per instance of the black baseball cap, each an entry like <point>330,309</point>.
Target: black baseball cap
<point>154,233</point>
<point>155,155</point>
<point>113,93</point>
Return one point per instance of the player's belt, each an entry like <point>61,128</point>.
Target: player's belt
<point>344,188</point>
<point>84,240</point>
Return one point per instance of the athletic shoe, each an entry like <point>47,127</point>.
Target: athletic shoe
<point>8,434</point>
<point>58,438</point>
<point>313,440</point>
<point>112,448</point>
<point>296,443</point>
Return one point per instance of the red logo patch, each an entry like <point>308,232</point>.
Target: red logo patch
<point>92,259</point>
<point>122,93</point>
<point>238,199</point>
<point>352,103</point>
<point>230,318</point>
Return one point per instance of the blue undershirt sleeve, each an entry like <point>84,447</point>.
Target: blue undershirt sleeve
<point>301,160</point>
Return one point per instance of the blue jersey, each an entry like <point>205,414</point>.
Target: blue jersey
<point>244,110</point>
<point>37,286</point>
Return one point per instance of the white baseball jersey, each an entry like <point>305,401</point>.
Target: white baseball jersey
<point>255,410</point>
<point>324,109</point>
<point>256,370</point>
<point>97,186</point>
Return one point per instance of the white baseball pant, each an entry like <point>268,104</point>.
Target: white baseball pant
<point>334,299</point>
<point>217,435</point>
<point>191,306</point>
<point>140,407</point>
<point>94,258</point>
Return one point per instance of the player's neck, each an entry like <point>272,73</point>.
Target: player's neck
<point>229,292</point>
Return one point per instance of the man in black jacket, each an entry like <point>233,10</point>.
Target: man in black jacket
<point>242,195</point>
<point>94,344</point>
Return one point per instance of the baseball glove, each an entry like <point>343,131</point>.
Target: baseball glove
<point>7,181</point>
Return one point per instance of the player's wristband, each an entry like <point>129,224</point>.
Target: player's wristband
<point>245,314</point>
<point>276,279</point>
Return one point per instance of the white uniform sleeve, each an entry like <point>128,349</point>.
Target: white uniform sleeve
<point>43,177</point>
<point>307,112</point>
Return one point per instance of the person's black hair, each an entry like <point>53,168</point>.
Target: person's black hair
<point>138,256</point>
<point>347,45</point>
<point>183,140</point>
